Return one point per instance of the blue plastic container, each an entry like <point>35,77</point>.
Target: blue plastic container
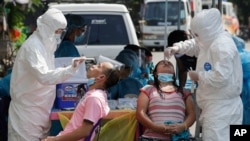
<point>67,96</point>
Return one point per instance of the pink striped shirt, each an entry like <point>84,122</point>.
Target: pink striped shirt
<point>93,106</point>
<point>169,107</point>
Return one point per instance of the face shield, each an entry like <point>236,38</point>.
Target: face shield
<point>142,57</point>
<point>146,56</point>
<point>77,25</point>
<point>59,35</point>
<point>80,38</point>
<point>117,65</point>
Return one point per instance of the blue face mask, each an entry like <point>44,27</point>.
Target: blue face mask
<point>165,77</point>
<point>79,39</point>
<point>91,81</point>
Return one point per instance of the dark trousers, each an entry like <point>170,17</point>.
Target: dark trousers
<point>4,107</point>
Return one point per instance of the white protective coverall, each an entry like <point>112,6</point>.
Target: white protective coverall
<point>33,80</point>
<point>219,71</point>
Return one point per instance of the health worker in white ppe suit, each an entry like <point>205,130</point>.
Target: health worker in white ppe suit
<point>218,73</point>
<point>34,77</point>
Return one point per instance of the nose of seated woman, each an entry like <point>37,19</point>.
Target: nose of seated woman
<point>165,66</point>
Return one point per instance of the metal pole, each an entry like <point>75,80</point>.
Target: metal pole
<point>165,26</point>
<point>213,4</point>
<point>179,13</point>
<point>178,27</point>
<point>220,6</point>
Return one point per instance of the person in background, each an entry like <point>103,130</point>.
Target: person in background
<point>218,74</point>
<point>75,33</point>
<point>4,105</point>
<point>245,94</point>
<point>5,84</point>
<point>127,85</point>
<point>184,62</point>
<point>92,107</point>
<point>143,72</point>
<point>239,42</point>
<point>162,109</point>
<point>33,79</point>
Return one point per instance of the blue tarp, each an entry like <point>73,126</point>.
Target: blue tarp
<point>245,95</point>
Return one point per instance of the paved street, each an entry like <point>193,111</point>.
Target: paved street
<point>248,45</point>
<point>157,56</point>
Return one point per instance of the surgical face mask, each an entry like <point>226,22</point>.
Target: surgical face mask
<point>165,77</point>
<point>79,39</point>
<point>91,81</point>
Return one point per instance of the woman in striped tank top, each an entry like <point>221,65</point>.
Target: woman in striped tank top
<point>162,108</point>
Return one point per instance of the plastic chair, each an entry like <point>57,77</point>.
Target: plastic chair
<point>122,128</point>
<point>63,120</point>
<point>95,129</point>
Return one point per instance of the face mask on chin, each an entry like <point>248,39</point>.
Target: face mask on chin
<point>91,81</point>
<point>165,77</point>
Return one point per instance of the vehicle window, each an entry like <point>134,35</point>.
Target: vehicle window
<point>105,30</point>
<point>155,13</point>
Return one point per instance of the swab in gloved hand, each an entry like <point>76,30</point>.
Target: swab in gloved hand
<point>77,61</point>
<point>170,51</point>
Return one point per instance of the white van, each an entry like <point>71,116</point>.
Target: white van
<point>152,25</point>
<point>110,27</point>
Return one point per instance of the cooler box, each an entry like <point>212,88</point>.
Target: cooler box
<point>68,95</point>
<point>70,91</point>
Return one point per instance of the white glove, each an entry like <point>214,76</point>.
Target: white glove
<point>77,61</point>
<point>170,51</point>
<point>193,75</point>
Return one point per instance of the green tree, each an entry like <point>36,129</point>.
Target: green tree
<point>17,31</point>
<point>16,15</point>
